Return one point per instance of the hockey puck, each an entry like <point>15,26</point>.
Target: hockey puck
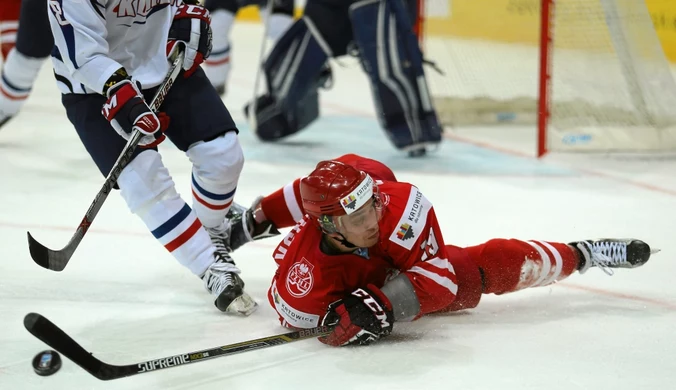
<point>47,363</point>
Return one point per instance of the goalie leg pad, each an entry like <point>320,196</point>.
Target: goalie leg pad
<point>294,70</point>
<point>392,59</point>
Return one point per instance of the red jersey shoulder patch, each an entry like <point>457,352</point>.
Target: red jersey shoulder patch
<point>412,221</point>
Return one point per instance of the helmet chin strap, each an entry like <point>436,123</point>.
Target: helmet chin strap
<point>344,241</point>
<point>328,227</point>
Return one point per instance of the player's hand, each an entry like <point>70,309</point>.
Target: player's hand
<point>361,318</point>
<point>191,26</point>
<point>126,110</point>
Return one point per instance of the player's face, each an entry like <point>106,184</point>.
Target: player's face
<point>361,227</point>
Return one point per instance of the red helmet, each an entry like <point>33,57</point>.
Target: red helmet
<point>335,189</point>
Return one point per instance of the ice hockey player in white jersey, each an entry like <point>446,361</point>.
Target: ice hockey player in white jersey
<point>223,14</point>
<point>26,44</point>
<point>110,56</point>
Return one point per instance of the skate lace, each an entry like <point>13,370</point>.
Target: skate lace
<point>220,237</point>
<point>219,276</point>
<point>605,254</point>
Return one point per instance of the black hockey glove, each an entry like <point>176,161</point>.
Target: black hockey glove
<point>361,318</point>
<point>195,36</point>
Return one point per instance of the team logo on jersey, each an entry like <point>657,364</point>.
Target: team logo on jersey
<point>405,232</point>
<point>299,280</point>
<point>413,220</point>
<point>349,202</point>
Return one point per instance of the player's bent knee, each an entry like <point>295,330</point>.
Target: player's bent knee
<point>219,161</point>
<point>144,181</point>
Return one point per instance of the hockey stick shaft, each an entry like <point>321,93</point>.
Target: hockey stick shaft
<point>57,260</point>
<point>52,335</point>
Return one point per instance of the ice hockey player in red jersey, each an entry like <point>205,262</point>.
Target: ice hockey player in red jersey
<point>369,252</point>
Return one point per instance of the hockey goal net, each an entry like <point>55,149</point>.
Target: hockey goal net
<point>581,75</point>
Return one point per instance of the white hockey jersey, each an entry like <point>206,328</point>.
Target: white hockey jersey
<point>94,38</point>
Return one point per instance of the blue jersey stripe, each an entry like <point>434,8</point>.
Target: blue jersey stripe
<point>56,54</point>
<point>211,195</point>
<point>172,222</point>
<point>67,31</point>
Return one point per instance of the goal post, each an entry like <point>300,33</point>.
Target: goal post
<point>585,75</point>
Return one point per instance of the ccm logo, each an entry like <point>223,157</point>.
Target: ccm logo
<point>109,105</point>
<point>373,305</point>
<point>197,11</point>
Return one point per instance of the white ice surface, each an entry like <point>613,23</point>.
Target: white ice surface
<point>126,300</point>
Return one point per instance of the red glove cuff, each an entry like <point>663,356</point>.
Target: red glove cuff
<point>382,298</point>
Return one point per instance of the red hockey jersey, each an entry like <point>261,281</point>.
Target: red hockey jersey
<point>307,280</point>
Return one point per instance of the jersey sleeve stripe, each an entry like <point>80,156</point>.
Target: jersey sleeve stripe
<point>442,264</point>
<point>96,5</point>
<point>67,31</point>
<point>292,202</point>
<point>438,279</point>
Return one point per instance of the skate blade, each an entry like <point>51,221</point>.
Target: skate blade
<point>242,305</point>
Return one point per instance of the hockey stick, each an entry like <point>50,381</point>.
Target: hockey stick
<point>253,123</point>
<point>57,260</point>
<point>56,338</point>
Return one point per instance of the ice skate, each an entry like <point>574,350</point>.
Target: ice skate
<point>244,227</point>
<point>608,253</point>
<point>222,277</point>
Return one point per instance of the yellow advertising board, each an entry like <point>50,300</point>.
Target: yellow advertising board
<point>518,21</point>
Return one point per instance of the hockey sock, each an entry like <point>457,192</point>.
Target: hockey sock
<point>18,76</point>
<point>216,168</point>
<point>148,189</point>
<point>511,265</point>
<point>217,66</point>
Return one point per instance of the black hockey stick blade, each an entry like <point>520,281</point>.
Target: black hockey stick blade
<point>52,335</point>
<point>47,258</point>
<point>57,260</point>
